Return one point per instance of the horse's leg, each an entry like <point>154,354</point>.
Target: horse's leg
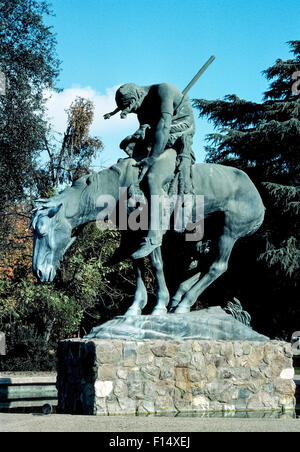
<point>219,266</point>
<point>140,296</point>
<point>162,295</point>
<point>184,287</point>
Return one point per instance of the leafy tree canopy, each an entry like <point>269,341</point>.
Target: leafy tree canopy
<point>29,64</point>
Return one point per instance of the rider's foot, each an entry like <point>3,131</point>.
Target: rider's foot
<point>147,246</point>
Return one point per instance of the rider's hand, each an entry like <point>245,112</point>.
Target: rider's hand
<point>124,143</point>
<point>144,165</point>
<point>140,134</point>
<point>148,161</point>
<point>130,149</point>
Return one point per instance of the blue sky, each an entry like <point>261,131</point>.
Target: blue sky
<point>105,43</point>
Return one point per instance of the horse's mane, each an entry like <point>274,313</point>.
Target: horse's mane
<point>87,187</point>
<point>93,184</point>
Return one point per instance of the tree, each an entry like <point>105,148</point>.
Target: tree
<point>28,60</point>
<point>73,156</point>
<point>16,258</point>
<point>28,66</point>
<point>263,139</point>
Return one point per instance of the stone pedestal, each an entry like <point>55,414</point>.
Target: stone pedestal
<point>108,377</point>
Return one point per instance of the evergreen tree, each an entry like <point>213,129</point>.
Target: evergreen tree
<point>28,66</point>
<point>260,137</point>
<point>263,139</point>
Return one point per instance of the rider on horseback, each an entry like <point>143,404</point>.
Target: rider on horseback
<point>166,122</point>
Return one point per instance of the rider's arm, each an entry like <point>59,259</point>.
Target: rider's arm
<point>161,134</point>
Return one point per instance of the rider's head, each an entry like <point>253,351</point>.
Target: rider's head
<point>128,98</point>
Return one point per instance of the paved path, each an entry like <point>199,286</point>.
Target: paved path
<point>66,423</point>
<point>122,424</point>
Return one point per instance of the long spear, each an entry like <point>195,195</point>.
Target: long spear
<point>198,75</point>
<point>195,79</point>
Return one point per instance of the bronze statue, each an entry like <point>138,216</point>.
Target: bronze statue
<point>160,157</point>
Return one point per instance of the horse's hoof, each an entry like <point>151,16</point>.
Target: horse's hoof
<point>182,310</point>
<point>133,312</point>
<point>173,307</point>
<point>159,311</point>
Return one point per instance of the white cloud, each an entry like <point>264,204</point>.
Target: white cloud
<point>104,103</point>
<point>111,131</point>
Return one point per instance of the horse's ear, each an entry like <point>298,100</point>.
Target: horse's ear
<point>54,210</point>
<point>32,220</point>
<point>29,224</point>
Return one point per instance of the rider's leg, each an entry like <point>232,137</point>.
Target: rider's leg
<point>158,175</point>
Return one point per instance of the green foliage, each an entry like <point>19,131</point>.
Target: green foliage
<point>34,317</point>
<point>101,290</point>
<point>28,351</point>
<point>281,231</point>
<point>50,310</point>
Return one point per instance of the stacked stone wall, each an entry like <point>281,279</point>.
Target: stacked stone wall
<point>108,377</point>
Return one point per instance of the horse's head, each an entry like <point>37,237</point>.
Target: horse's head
<point>52,238</point>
